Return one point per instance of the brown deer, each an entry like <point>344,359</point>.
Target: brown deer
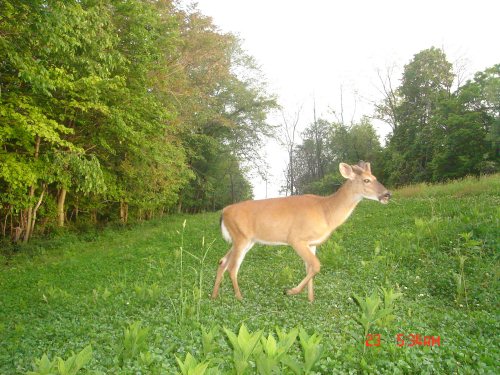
<point>301,221</point>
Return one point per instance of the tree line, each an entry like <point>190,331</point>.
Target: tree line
<point>119,108</point>
<point>438,132</point>
<point>116,110</point>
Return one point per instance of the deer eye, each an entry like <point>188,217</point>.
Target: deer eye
<point>366,180</point>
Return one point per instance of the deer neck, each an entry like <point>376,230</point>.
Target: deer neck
<point>341,204</point>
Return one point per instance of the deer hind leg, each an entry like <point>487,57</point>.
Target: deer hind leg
<point>308,255</point>
<point>231,262</point>
<point>220,273</point>
<point>234,263</point>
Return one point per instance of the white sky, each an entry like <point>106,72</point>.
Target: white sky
<point>313,48</point>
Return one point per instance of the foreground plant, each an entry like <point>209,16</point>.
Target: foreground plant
<point>59,366</point>
<point>372,311</point>
<point>134,342</point>
<point>243,346</point>
<point>472,247</point>
<point>274,353</point>
<point>190,366</point>
<point>273,356</point>
<point>208,340</point>
<point>461,288</point>
<point>311,349</point>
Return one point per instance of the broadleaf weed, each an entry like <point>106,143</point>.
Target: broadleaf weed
<point>59,366</point>
<point>243,346</point>
<point>134,342</point>
<point>311,348</point>
<point>208,342</point>
<point>374,310</point>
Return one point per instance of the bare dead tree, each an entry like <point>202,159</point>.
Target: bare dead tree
<point>287,139</point>
<point>461,71</point>
<point>318,144</point>
<point>386,110</point>
<point>339,117</point>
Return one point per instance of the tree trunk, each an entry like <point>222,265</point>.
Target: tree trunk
<point>179,205</point>
<point>29,214</point>
<point>4,229</point>
<point>31,194</point>
<point>37,207</point>
<point>30,226</point>
<point>60,207</point>
<point>123,212</point>
<point>77,209</point>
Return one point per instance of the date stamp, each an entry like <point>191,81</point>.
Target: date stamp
<point>375,339</point>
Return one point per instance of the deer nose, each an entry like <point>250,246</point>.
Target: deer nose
<point>384,198</point>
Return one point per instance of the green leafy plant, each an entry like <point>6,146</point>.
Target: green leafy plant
<point>369,310</point>
<point>100,294</point>
<point>377,259</point>
<point>59,366</point>
<point>51,294</point>
<point>208,340</point>
<point>467,242</point>
<point>148,293</point>
<point>467,245</point>
<point>243,346</point>
<point>134,342</point>
<point>389,296</point>
<point>311,348</point>
<point>147,358</point>
<point>461,288</point>
<point>372,311</point>
<point>190,366</point>
<point>273,353</point>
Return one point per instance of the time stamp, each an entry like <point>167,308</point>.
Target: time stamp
<point>374,340</point>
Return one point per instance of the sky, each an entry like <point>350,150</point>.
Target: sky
<point>322,51</point>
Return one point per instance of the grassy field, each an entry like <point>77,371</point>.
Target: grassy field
<point>140,296</point>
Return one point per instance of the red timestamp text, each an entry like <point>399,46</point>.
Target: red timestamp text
<point>374,339</point>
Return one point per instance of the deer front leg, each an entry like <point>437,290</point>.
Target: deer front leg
<point>310,287</point>
<point>313,266</point>
<point>234,263</point>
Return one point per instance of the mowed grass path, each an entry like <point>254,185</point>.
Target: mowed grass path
<point>74,291</point>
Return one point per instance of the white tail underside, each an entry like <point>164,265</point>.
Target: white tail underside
<point>225,233</point>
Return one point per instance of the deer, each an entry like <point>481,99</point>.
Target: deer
<point>300,221</point>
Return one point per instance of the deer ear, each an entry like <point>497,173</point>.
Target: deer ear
<point>368,168</point>
<point>346,171</point>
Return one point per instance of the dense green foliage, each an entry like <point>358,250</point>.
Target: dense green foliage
<point>106,105</point>
<point>140,296</point>
<point>438,134</point>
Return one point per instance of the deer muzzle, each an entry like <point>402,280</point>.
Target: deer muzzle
<point>384,198</point>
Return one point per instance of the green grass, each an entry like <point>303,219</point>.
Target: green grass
<point>63,295</point>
